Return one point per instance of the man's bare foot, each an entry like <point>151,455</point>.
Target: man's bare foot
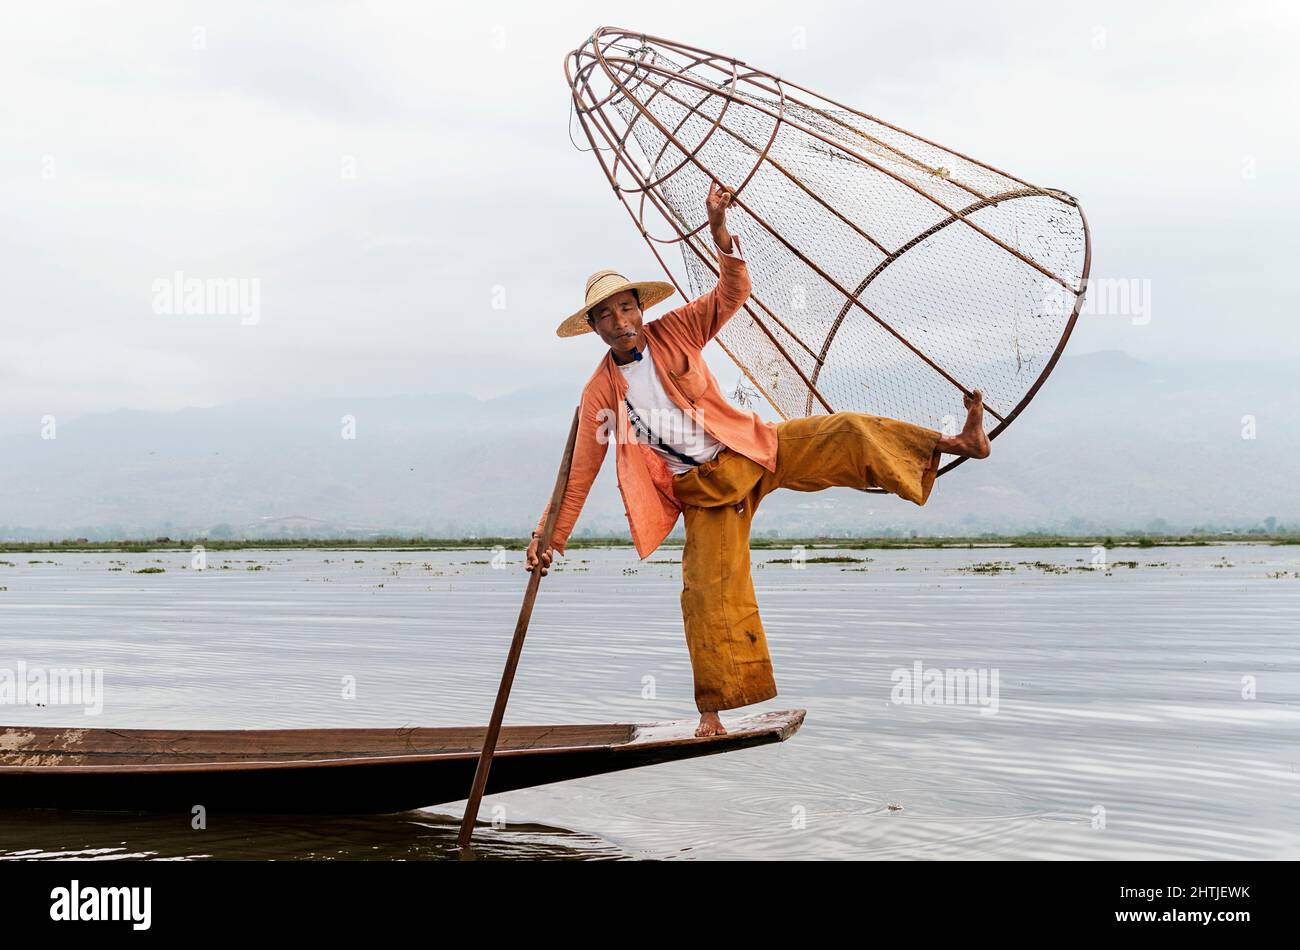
<point>971,442</point>
<point>710,725</point>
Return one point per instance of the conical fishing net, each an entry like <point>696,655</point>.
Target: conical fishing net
<point>890,274</point>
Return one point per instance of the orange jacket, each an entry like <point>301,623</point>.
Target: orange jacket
<point>675,340</point>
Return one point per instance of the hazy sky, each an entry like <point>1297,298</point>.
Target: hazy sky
<point>137,140</point>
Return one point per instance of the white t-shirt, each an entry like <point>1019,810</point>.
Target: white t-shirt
<point>670,425</point>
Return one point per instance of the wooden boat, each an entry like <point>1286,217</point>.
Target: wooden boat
<point>334,771</point>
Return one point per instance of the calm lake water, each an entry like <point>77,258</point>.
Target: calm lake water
<point>1146,711</point>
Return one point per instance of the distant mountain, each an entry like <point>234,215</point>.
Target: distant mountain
<point>1110,444</point>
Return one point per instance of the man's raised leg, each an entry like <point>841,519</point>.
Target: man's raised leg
<point>857,450</point>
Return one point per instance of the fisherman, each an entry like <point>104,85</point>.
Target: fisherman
<point>682,449</point>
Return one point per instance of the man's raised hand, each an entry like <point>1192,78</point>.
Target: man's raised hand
<point>717,203</point>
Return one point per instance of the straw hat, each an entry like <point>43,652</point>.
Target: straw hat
<point>606,283</point>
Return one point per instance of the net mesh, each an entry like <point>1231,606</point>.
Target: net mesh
<point>889,273</point>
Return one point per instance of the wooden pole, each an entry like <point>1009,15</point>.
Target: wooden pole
<point>516,645</point>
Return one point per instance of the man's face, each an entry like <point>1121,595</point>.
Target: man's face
<point>618,321</point>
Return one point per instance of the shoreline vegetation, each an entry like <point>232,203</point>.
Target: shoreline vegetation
<point>490,543</point>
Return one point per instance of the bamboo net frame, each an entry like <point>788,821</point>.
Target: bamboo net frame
<point>890,274</point>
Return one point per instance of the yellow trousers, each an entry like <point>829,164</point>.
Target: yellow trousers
<point>724,633</point>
